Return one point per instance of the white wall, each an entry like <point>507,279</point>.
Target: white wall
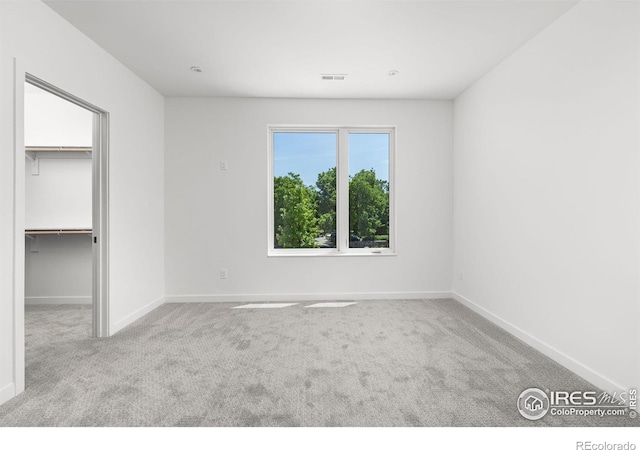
<point>48,47</point>
<point>546,198</point>
<point>58,269</point>
<point>60,195</point>
<point>59,272</point>
<point>218,219</point>
<point>52,121</point>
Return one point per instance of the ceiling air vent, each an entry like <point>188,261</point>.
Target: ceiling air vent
<point>333,76</point>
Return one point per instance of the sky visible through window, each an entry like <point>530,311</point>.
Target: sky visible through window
<point>311,153</point>
<point>305,209</point>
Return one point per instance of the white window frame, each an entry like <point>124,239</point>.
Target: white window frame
<point>342,191</point>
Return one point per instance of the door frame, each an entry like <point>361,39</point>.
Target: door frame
<point>100,205</point>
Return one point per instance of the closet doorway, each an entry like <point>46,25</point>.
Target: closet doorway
<point>66,208</point>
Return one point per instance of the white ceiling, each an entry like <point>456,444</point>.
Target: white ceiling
<point>280,48</point>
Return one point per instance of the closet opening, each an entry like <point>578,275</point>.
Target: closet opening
<point>66,214</point>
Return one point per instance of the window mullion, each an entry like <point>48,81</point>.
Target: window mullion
<point>342,220</point>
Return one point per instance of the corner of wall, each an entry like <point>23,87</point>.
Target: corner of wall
<point>589,374</point>
<point>7,392</point>
<point>135,315</point>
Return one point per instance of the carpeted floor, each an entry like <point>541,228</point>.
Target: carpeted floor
<point>375,363</point>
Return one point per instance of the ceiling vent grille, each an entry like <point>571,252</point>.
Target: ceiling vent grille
<point>333,76</point>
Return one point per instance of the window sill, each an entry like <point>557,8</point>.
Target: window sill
<point>312,253</point>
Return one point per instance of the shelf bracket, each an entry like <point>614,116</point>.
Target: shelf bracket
<point>35,166</point>
<point>34,244</point>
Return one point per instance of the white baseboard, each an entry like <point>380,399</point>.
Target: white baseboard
<point>345,296</point>
<point>74,300</point>
<point>7,392</point>
<point>561,358</point>
<point>138,313</point>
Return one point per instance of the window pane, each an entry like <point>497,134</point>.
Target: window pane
<point>368,190</point>
<point>304,189</point>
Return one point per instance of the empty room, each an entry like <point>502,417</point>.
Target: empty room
<point>320,214</point>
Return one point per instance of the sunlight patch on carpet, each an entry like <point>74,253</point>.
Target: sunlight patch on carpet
<point>263,305</point>
<point>331,305</point>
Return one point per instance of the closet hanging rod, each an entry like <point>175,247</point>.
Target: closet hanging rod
<point>56,232</point>
<point>58,149</point>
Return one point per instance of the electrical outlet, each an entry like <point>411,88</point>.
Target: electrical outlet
<point>223,165</point>
<point>223,274</point>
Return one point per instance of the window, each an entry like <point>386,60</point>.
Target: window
<point>331,190</point>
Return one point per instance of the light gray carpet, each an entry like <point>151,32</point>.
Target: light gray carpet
<point>376,363</point>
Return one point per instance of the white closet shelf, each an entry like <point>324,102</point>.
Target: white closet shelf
<point>34,153</point>
<point>58,232</point>
<point>58,149</point>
